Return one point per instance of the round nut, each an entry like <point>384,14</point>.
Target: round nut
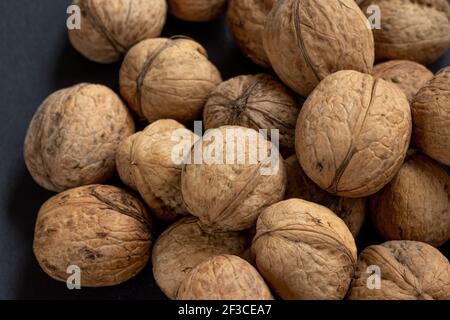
<point>257,102</point>
<point>306,40</point>
<point>197,10</point>
<point>108,29</point>
<point>415,205</point>
<point>102,230</point>
<point>408,270</point>
<point>304,251</point>
<point>73,137</point>
<point>358,147</point>
<point>168,79</point>
<point>184,245</point>
<point>431,116</point>
<point>224,277</point>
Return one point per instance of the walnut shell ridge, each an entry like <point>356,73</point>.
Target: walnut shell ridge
<point>74,135</point>
<point>197,10</point>
<point>304,251</point>
<point>353,133</point>
<point>110,28</point>
<point>168,79</point>
<point>224,277</point>
<point>409,270</point>
<point>103,230</point>
<point>306,40</point>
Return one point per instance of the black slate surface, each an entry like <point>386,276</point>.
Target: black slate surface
<point>36,59</point>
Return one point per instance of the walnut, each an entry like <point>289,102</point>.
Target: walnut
<point>184,245</point>
<point>224,277</point>
<point>408,75</point>
<point>168,79</point>
<point>145,163</point>
<point>246,19</point>
<point>73,137</point>
<point>409,270</point>
<point>431,116</point>
<point>353,133</point>
<point>306,40</point>
<point>351,211</point>
<point>257,102</point>
<point>103,230</point>
<point>415,205</point>
<point>417,30</point>
<point>110,28</point>
<point>197,10</point>
<point>304,251</point>
<point>229,194</point>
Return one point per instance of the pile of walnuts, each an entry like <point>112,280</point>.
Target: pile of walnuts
<point>370,145</point>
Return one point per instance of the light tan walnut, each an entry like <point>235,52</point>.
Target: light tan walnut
<point>197,10</point>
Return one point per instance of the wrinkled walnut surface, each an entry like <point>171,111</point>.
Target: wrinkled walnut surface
<point>304,251</point>
<point>224,277</point>
<point>410,270</point>
<point>197,10</point>
<point>73,137</point>
<point>110,28</point>
<point>103,230</point>
<point>353,133</point>
<point>184,245</point>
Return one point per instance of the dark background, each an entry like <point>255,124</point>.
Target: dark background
<point>37,59</point>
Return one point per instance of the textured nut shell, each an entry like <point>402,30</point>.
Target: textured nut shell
<point>417,30</point>
<point>431,116</point>
<point>184,245</point>
<point>257,102</point>
<point>230,197</point>
<point>197,10</point>
<point>101,229</point>
<point>168,79</point>
<point>110,28</point>
<point>409,271</point>
<point>358,147</point>
<point>224,277</point>
<point>304,251</point>
<point>246,19</point>
<point>415,205</point>
<point>306,40</point>
<point>73,137</point>
<point>145,159</point>
<point>351,211</point>
<point>408,75</point>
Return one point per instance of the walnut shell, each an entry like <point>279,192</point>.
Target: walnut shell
<point>246,20</point>
<point>304,251</point>
<point>351,210</point>
<point>224,277</point>
<point>417,30</point>
<point>358,147</point>
<point>306,40</point>
<point>103,230</point>
<point>257,102</point>
<point>415,205</point>
<point>110,28</point>
<point>144,161</point>
<point>410,270</point>
<point>230,196</point>
<point>431,117</point>
<point>410,76</point>
<point>184,245</point>
<point>73,137</point>
<point>197,10</point>
<point>168,79</point>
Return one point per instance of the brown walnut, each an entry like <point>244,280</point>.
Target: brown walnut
<point>197,10</point>
<point>73,137</point>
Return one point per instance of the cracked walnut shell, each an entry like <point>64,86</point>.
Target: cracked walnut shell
<point>103,230</point>
<point>197,10</point>
<point>353,133</point>
<point>224,277</point>
<point>73,137</point>
<point>304,251</point>
<point>109,28</point>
